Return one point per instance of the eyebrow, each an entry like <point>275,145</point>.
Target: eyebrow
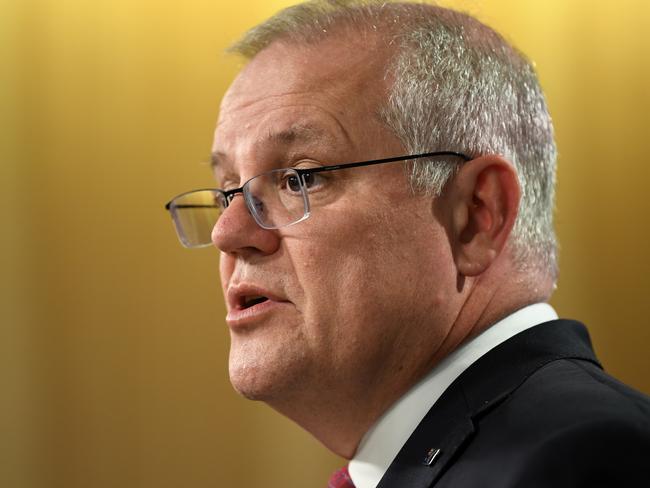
<point>295,133</point>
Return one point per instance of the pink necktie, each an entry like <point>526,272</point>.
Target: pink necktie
<point>341,479</point>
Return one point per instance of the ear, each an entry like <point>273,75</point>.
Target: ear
<point>484,200</point>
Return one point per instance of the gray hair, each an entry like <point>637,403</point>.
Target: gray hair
<point>456,85</point>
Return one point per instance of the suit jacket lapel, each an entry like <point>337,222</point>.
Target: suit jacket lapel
<point>446,428</point>
<point>450,424</point>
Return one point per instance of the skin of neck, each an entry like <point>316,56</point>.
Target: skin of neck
<point>341,420</point>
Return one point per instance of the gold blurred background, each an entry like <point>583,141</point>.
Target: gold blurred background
<point>113,347</point>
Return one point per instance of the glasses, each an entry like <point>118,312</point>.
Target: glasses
<point>275,199</point>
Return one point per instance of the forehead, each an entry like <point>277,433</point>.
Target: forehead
<point>289,95</point>
<point>303,134</point>
<point>343,62</point>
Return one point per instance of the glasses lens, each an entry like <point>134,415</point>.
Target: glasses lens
<point>195,215</point>
<point>277,198</point>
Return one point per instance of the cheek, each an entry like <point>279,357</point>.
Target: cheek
<point>382,254</point>
<point>343,265</point>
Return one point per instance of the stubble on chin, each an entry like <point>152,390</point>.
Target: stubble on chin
<point>264,369</point>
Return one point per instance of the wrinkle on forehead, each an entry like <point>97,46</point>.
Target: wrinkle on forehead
<point>298,132</point>
<point>290,96</point>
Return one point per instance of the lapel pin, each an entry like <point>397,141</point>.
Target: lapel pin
<point>431,456</point>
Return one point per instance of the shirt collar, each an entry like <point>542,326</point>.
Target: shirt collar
<point>384,440</point>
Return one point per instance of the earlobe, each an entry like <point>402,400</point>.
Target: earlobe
<point>485,201</point>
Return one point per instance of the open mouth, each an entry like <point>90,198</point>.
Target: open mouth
<point>251,301</point>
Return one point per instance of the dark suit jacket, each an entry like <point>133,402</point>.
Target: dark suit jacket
<point>536,411</point>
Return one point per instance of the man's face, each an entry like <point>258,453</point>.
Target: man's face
<point>355,295</point>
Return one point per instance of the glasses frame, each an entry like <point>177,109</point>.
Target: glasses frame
<point>302,173</point>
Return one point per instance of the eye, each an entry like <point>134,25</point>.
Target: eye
<point>311,180</point>
<point>293,183</point>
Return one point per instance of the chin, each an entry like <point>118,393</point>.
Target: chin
<point>256,382</point>
<point>249,388</point>
<point>265,379</point>
<point>264,367</point>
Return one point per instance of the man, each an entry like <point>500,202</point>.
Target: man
<point>396,308</point>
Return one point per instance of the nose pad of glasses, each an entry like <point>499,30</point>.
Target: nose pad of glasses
<point>256,208</point>
<point>257,205</point>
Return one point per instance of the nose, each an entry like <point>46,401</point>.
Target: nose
<point>236,232</point>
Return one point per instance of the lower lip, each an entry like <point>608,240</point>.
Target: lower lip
<point>247,316</point>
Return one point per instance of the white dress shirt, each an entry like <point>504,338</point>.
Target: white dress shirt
<point>384,440</point>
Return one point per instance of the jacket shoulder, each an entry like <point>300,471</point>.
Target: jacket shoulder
<point>568,424</point>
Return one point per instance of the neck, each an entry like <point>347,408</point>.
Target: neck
<point>340,413</point>
<point>339,419</point>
